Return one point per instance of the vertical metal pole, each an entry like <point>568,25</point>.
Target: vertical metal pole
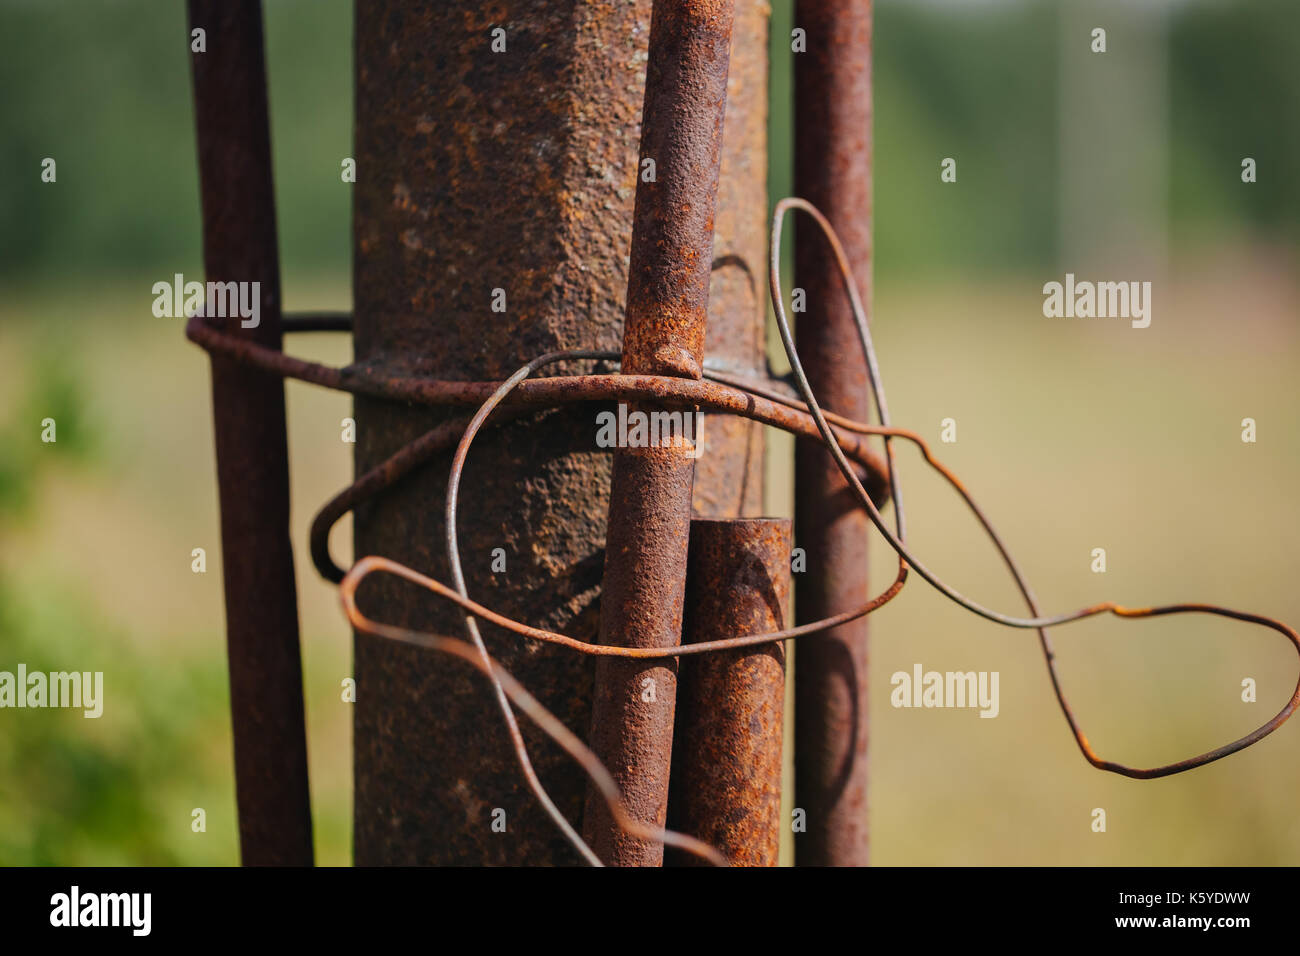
<point>729,477</point>
<point>833,171</point>
<point>726,779</point>
<point>493,151</point>
<point>239,245</point>
<point>650,494</point>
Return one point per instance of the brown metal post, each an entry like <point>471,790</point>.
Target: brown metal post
<point>496,148</point>
<point>729,478</point>
<point>239,245</point>
<point>833,171</point>
<point>726,779</point>
<point>650,494</point>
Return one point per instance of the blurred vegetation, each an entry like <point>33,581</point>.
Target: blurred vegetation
<point>80,791</point>
<point>105,90</point>
<point>51,392</point>
<point>1235,91</point>
<point>980,80</point>
<point>75,791</point>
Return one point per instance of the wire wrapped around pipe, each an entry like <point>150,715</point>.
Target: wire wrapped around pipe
<point>722,393</point>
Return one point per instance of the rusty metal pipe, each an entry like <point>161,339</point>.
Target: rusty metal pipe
<point>832,171</point>
<point>650,494</point>
<point>729,479</point>
<point>496,149</point>
<point>726,779</point>
<point>239,245</point>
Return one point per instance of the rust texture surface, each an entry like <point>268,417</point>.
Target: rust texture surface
<point>833,171</point>
<point>726,779</point>
<point>729,475</point>
<point>651,487</point>
<point>514,170</point>
<point>239,245</point>
<point>480,170</point>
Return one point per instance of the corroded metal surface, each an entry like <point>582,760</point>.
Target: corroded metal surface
<point>832,171</point>
<point>650,493</point>
<point>672,237</point>
<point>239,245</point>
<point>480,170</point>
<point>726,780</point>
<point>729,476</point>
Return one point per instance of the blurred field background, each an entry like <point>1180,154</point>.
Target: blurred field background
<point>1074,434</point>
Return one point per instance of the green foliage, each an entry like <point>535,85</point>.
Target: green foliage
<point>105,90</point>
<point>52,390</point>
<point>118,789</point>
<point>979,86</point>
<point>1235,92</point>
<point>980,82</point>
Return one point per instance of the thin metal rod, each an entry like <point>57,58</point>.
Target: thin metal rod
<point>832,166</point>
<point>316,322</point>
<point>650,488</point>
<point>726,781</point>
<point>239,245</point>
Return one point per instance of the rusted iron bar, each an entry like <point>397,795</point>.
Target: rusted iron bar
<point>650,492</point>
<point>239,245</point>
<point>494,151</point>
<point>833,172</point>
<point>726,779</point>
<point>729,479</point>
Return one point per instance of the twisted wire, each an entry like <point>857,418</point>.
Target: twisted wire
<point>873,482</point>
